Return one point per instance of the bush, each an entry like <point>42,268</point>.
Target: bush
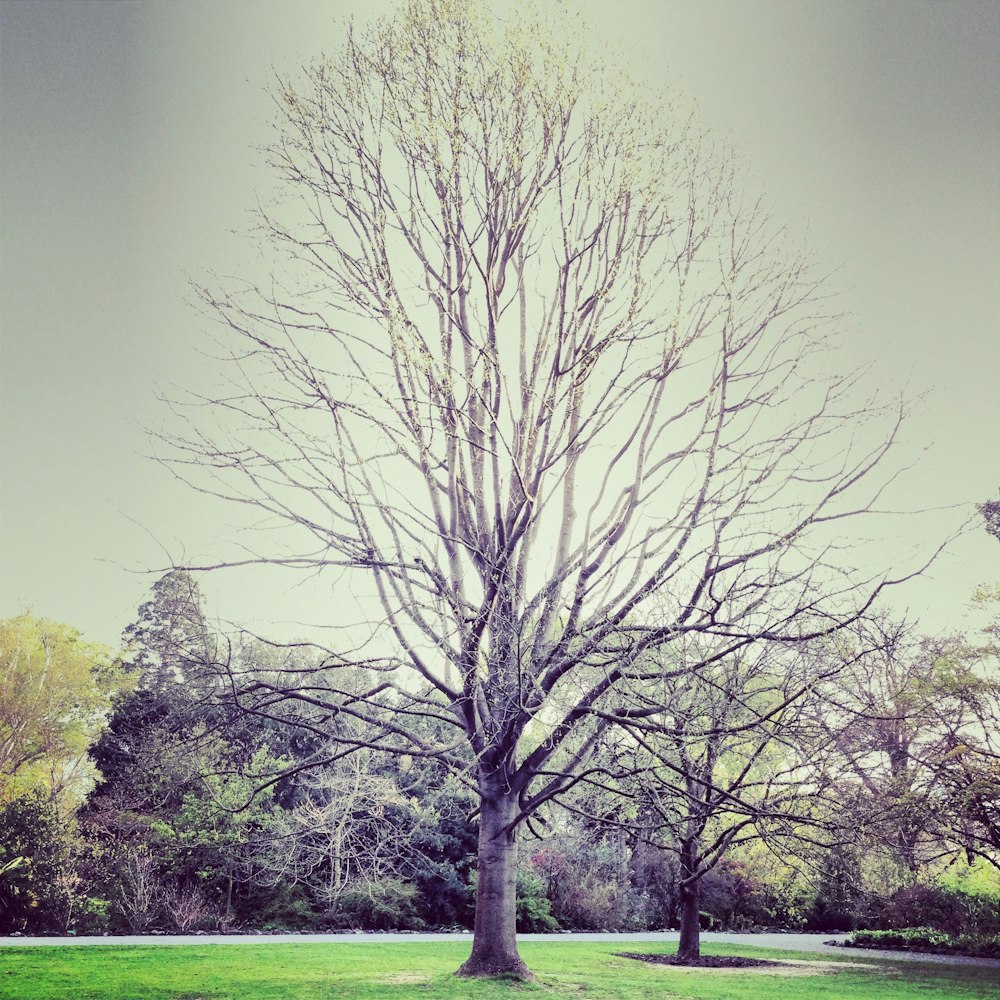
<point>534,911</point>
<point>916,938</point>
<point>585,887</point>
<point>979,945</point>
<point>927,939</point>
<point>93,916</point>
<point>742,896</point>
<point>283,909</point>
<point>384,906</point>
<point>945,908</point>
<point>828,919</point>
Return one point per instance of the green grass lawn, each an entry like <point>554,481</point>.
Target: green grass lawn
<point>581,970</point>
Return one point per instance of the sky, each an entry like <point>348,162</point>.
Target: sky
<point>128,168</point>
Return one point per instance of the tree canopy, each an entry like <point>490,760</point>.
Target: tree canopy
<point>54,694</point>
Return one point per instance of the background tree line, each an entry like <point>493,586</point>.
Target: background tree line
<point>136,796</point>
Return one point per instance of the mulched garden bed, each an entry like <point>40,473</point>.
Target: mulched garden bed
<point>705,962</point>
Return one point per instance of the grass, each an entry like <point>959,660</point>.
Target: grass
<point>410,970</point>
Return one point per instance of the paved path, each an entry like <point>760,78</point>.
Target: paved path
<point>790,942</point>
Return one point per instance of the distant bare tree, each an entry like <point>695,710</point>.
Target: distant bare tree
<point>531,364</point>
<point>351,831</point>
<point>187,908</point>
<point>140,895</point>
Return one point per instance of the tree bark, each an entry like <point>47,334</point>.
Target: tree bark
<point>689,946</point>
<point>494,944</point>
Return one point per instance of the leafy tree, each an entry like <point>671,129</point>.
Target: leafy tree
<point>444,845</point>
<point>170,641</point>
<point>169,822</point>
<point>55,691</point>
<point>917,733</point>
<point>537,370</point>
<point>33,859</point>
<point>170,825</point>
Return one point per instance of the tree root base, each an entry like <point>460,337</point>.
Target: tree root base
<point>476,968</point>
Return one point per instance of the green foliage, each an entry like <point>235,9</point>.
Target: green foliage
<point>178,862</point>
<point>174,838</point>
<point>928,939</point>
<point>93,916</point>
<point>978,879</point>
<point>948,910</point>
<point>55,690</point>
<point>838,896</point>
<point>588,882</point>
<point>444,846</point>
<point>383,906</point>
<point>170,640</point>
<point>33,864</point>
<point>167,828</point>
<point>534,911</point>
<point>744,893</point>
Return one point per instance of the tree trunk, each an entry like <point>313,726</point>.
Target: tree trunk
<point>494,944</point>
<point>689,946</point>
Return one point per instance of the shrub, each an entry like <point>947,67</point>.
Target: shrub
<point>92,916</point>
<point>534,910</point>
<point>929,940</point>
<point>383,906</point>
<point>916,938</point>
<point>979,945</point>
<point>826,918</point>
<point>285,908</point>
<point>585,887</point>
<point>188,910</point>
<point>944,907</point>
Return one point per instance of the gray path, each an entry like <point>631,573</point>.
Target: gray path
<point>790,942</point>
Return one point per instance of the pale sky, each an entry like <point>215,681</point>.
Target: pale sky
<point>127,133</point>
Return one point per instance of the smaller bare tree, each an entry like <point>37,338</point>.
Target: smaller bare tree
<point>723,753</point>
<point>351,832</point>
<point>140,894</point>
<point>187,908</point>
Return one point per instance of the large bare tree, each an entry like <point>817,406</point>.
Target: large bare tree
<point>531,362</point>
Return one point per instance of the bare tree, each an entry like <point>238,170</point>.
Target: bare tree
<point>140,896</point>
<point>530,363</point>
<point>187,908</point>
<point>351,831</point>
<point>717,755</point>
